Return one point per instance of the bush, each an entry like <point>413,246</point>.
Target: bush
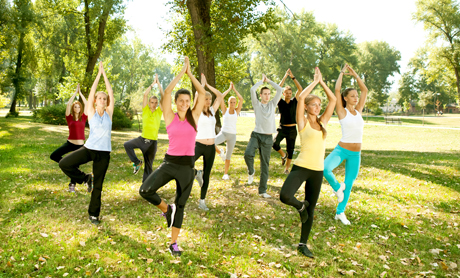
<point>119,119</point>
<point>54,115</point>
<point>378,112</point>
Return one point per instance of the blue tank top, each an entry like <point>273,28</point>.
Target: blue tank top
<point>100,130</point>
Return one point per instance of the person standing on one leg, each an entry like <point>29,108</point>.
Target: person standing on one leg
<point>179,159</point>
<point>76,120</point>
<point>97,148</point>
<point>349,108</point>
<point>147,142</point>
<point>261,138</point>
<point>309,165</point>
<point>287,129</point>
<point>228,132</point>
<point>206,134</point>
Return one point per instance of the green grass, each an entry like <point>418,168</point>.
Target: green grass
<point>451,120</point>
<point>404,203</point>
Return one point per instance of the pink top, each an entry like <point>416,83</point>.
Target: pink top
<point>181,138</point>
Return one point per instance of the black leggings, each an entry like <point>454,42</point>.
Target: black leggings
<point>167,171</point>
<point>70,166</point>
<point>209,153</point>
<point>67,147</point>
<point>148,148</point>
<point>288,132</point>
<point>313,180</point>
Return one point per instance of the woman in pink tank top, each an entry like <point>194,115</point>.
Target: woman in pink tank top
<point>178,163</point>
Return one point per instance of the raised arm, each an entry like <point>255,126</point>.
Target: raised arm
<point>160,88</point>
<point>330,105</point>
<point>198,107</point>
<point>168,113</point>
<point>90,107</point>
<point>297,84</point>
<point>279,91</point>
<point>69,103</point>
<point>240,100</point>
<point>253,91</point>
<point>338,86</point>
<point>145,101</point>
<point>218,99</point>
<point>111,105</point>
<point>362,87</point>
<point>83,99</point>
<point>284,78</point>
<point>222,103</point>
<point>300,118</point>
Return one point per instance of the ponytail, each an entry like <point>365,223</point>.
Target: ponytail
<point>323,130</point>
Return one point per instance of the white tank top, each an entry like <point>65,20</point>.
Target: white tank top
<point>229,125</point>
<point>352,128</point>
<point>206,128</point>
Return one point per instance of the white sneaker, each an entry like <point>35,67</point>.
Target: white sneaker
<point>225,177</point>
<point>339,193</point>
<point>265,195</point>
<point>222,154</point>
<point>250,178</point>
<point>342,218</point>
<point>202,205</point>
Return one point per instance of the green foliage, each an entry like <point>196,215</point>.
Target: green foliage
<point>52,114</point>
<point>120,119</point>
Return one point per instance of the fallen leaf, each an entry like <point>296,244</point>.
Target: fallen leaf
<point>444,266</point>
<point>148,249</point>
<point>9,264</point>
<point>98,270</point>
<point>383,258</point>
<point>59,267</point>
<point>175,261</point>
<point>383,274</point>
<point>82,243</point>
<point>374,226</point>
<point>386,267</point>
<point>77,269</point>
<point>149,261</point>
<point>453,265</point>
<point>202,266</point>
<point>65,274</point>
<point>44,235</point>
<point>435,251</point>
<point>189,263</point>
<point>41,259</point>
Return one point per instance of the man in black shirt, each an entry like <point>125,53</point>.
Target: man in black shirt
<point>287,108</point>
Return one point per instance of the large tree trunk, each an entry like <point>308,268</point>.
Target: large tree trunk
<point>93,54</point>
<point>200,13</point>
<point>17,74</point>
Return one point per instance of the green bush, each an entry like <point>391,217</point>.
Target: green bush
<point>119,119</point>
<point>54,114</point>
<point>378,112</point>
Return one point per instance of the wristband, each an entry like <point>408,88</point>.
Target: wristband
<point>293,78</point>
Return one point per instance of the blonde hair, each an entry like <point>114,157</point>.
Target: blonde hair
<point>73,113</point>
<point>106,95</point>
<point>207,111</point>
<point>287,88</point>
<point>309,99</point>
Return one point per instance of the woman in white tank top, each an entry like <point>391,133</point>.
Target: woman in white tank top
<point>206,134</point>
<point>228,132</point>
<point>349,108</point>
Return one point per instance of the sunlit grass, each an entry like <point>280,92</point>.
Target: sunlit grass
<point>404,203</point>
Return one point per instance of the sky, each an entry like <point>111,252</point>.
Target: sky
<point>367,20</point>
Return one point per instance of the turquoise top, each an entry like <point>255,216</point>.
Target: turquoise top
<point>100,130</point>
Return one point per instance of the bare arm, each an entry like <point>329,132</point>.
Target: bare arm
<point>218,99</point>
<point>222,103</point>
<point>162,93</point>
<point>297,84</point>
<point>300,113</point>
<point>199,104</point>
<point>341,113</point>
<point>111,105</point>
<point>362,87</point>
<point>240,100</point>
<point>83,99</point>
<point>284,78</point>
<point>90,107</point>
<point>168,113</point>
<point>330,106</point>
<point>69,103</point>
<point>145,101</point>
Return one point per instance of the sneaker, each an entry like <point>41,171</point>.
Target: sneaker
<point>202,205</point>
<point>339,193</point>
<point>265,195</point>
<point>283,159</point>
<point>250,178</point>
<point>89,182</point>
<point>174,249</point>
<point>94,220</point>
<point>225,177</point>
<point>71,187</point>
<point>303,249</point>
<point>137,167</point>
<point>303,211</point>
<point>170,213</point>
<point>222,154</point>
<point>199,177</point>
<point>342,218</point>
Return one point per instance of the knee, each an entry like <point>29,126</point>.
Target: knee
<point>285,197</point>
<point>126,144</point>
<point>290,153</point>
<point>276,146</point>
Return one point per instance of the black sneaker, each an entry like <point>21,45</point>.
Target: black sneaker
<point>71,187</point>
<point>174,249</point>
<point>303,249</point>
<point>89,182</point>
<point>137,167</point>
<point>170,213</point>
<point>283,159</point>
<point>94,220</point>
<point>303,211</point>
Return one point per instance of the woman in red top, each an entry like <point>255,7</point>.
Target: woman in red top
<point>76,121</point>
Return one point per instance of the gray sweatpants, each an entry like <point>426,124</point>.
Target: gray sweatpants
<point>264,143</point>
<point>231,141</point>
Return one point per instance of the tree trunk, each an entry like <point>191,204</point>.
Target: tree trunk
<point>17,74</point>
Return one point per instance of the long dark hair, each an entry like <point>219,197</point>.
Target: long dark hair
<point>308,99</point>
<point>344,94</point>
<point>188,114</point>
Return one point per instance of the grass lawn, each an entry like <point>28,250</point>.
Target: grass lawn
<point>404,209</point>
<point>447,120</point>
